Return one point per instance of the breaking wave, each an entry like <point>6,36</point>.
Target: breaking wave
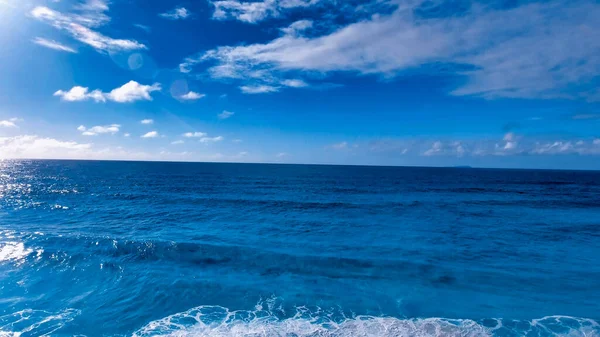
<point>221,322</point>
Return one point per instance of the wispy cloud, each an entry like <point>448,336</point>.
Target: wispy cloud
<point>147,121</point>
<point>7,124</point>
<point>177,142</point>
<point>258,89</point>
<point>151,134</point>
<point>145,28</point>
<point>526,51</point>
<point>178,13</point>
<point>79,26</point>
<point>339,146</point>
<point>53,45</point>
<point>255,11</point>
<point>127,93</point>
<point>100,129</point>
<point>211,139</point>
<point>294,83</point>
<point>508,145</point>
<point>10,123</point>
<point>225,114</point>
<point>191,96</point>
<point>194,134</point>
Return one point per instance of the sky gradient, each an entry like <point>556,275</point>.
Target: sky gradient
<point>375,82</point>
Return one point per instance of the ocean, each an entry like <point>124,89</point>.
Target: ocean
<point>93,248</point>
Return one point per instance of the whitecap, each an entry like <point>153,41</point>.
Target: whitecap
<point>14,251</point>
<point>221,322</point>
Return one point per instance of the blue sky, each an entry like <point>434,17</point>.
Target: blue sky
<point>377,82</point>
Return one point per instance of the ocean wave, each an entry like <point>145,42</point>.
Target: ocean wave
<point>221,322</point>
<point>35,322</point>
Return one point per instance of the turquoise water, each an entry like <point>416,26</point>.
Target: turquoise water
<point>185,249</point>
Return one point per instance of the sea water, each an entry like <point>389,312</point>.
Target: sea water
<point>201,249</point>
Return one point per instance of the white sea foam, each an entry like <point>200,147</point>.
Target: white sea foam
<point>13,251</point>
<point>221,322</point>
<point>35,322</point>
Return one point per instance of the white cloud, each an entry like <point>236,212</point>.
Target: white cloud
<point>127,135</point>
<point>151,134</point>
<point>255,11</point>
<point>178,13</point>
<point>282,155</point>
<point>191,96</point>
<point>553,148</point>
<point>79,25</point>
<point>133,91</point>
<point>100,129</point>
<point>237,140</point>
<point>53,45</point>
<point>294,83</point>
<point>94,5</point>
<point>211,139</point>
<point>526,51</point>
<point>177,142</point>
<point>32,146</point>
<point>129,92</point>
<point>10,123</point>
<point>147,121</point>
<point>258,89</point>
<point>297,27</point>
<point>436,148</point>
<point>78,93</point>
<point>194,134</point>
<point>225,114</point>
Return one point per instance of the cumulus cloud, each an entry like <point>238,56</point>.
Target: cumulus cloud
<point>100,129</point>
<point>78,93</point>
<point>255,11</point>
<point>527,51</point>
<point>127,93</point>
<point>194,134</point>
<point>151,134</point>
<point>147,121</point>
<point>53,45</point>
<point>178,13</point>
<point>191,96</point>
<point>79,26</point>
<point>225,114</point>
<point>211,139</point>
<point>133,91</point>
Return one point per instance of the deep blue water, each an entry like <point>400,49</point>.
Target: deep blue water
<point>198,249</point>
